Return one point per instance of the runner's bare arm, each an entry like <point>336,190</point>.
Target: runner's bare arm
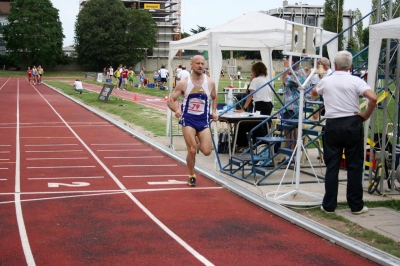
<point>214,98</point>
<point>178,91</point>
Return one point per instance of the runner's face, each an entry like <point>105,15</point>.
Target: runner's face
<point>198,65</point>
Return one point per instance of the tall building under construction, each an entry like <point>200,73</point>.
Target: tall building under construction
<point>167,15</point>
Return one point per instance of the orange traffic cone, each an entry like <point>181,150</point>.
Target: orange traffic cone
<point>166,97</point>
<point>135,98</point>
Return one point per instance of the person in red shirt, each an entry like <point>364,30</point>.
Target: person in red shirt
<point>29,72</point>
<point>124,75</point>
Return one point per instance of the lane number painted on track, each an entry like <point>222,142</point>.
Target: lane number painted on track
<point>73,184</point>
<point>169,182</point>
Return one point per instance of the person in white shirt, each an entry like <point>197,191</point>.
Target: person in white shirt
<point>163,75</point>
<point>344,132</point>
<point>78,86</point>
<point>262,101</point>
<point>183,74</point>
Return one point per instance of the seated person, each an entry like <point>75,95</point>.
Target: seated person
<point>261,100</point>
<point>78,86</point>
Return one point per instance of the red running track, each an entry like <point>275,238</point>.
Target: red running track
<point>76,190</point>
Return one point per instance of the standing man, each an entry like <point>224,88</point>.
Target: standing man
<point>344,131</point>
<point>182,74</point>
<point>163,74</point>
<point>124,76</point>
<point>196,91</point>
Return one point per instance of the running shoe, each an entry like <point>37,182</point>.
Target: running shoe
<point>192,182</point>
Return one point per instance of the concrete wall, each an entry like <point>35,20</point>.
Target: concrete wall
<point>153,64</point>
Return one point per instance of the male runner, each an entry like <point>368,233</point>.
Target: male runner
<point>196,90</point>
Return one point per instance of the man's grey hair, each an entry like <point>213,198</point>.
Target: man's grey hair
<point>343,60</point>
<point>325,61</point>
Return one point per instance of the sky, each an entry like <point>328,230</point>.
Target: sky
<point>205,13</point>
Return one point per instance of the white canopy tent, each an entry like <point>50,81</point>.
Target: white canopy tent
<point>253,31</point>
<point>385,30</point>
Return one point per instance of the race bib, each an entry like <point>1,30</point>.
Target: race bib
<point>196,106</point>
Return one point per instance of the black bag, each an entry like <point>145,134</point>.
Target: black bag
<point>223,142</point>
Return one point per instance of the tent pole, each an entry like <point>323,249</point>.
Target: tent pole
<point>385,101</point>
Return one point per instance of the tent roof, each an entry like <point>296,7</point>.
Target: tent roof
<point>252,31</point>
<point>385,30</point>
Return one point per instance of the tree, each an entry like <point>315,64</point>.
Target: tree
<point>358,33</point>
<point>184,35</point>
<point>198,30</point>
<point>107,33</point>
<point>385,11</point>
<point>141,34</point>
<point>34,34</point>
<point>333,18</point>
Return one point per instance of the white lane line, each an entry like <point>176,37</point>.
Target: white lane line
<point>116,144</point>
<point>30,261</point>
<point>130,195</point>
<point>136,190</point>
<point>3,168</point>
<point>73,158</point>
<point>3,179</point>
<point>52,145</point>
<point>144,165</point>
<point>154,175</point>
<point>51,167</point>
<point>4,151</point>
<point>169,182</point>
<point>4,159</point>
<point>64,177</point>
<point>5,145</point>
<point>134,157</point>
<point>99,192</point>
<point>63,126</point>
<point>126,150</point>
<point>58,151</point>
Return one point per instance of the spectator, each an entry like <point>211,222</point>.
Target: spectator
<point>262,101</point>
<point>291,87</point>
<point>164,75</point>
<point>156,77</point>
<point>292,93</point>
<point>110,73</point>
<point>124,77</point>
<point>142,77</point>
<point>344,131</point>
<point>117,75</point>
<point>78,86</point>
<point>183,74</point>
<point>131,75</point>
